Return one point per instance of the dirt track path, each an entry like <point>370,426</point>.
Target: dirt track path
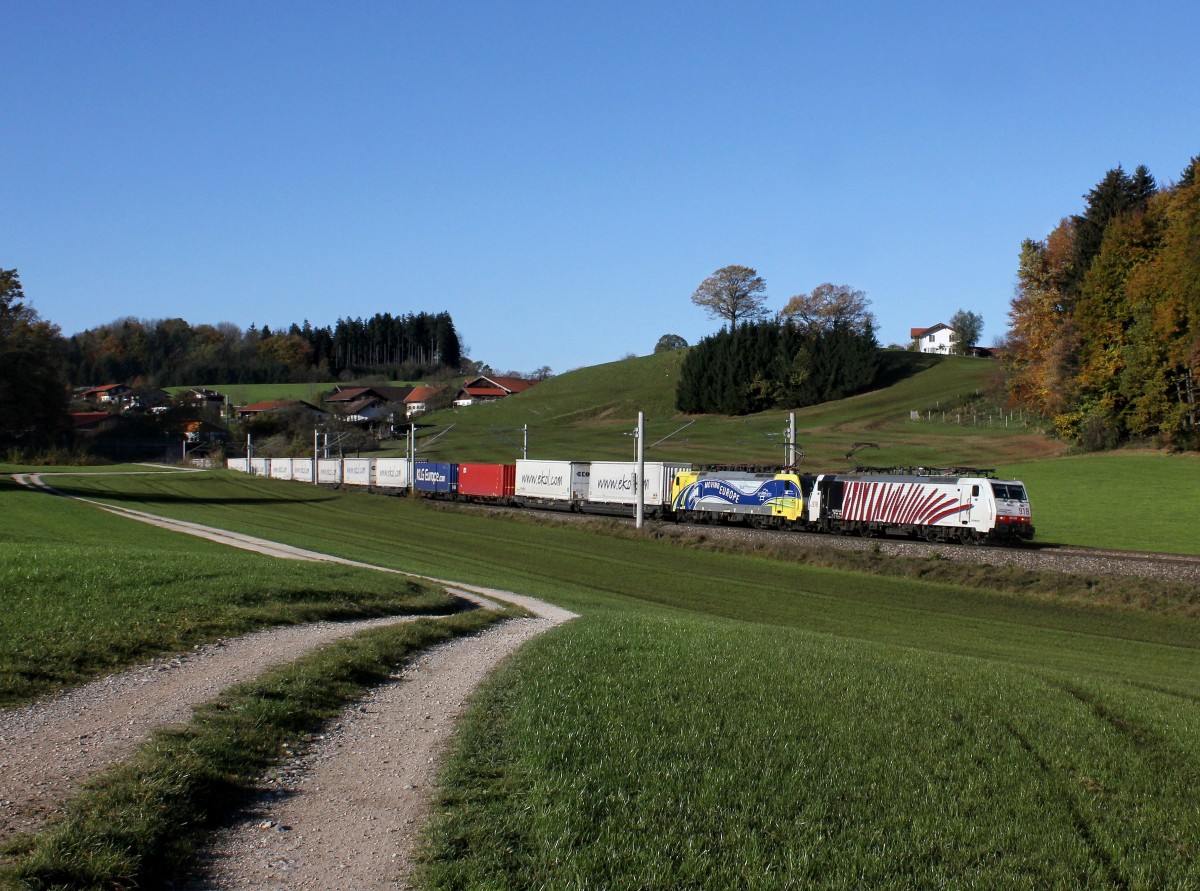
<point>353,805</point>
<point>48,747</point>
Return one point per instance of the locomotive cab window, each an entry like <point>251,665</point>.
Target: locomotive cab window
<point>975,491</point>
<point>1009,491</point>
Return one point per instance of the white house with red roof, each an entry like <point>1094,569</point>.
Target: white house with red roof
<point>939,338</point>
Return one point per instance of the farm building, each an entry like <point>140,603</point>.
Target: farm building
<point>489,389</point>
<point>280,406</point>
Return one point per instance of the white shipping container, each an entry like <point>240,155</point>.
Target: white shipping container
<point>392,473</point>
<point>281,468</point>
<point>329,470</point>
<point>552,480</point>
<point>242,465</point>
<point>302,469</point>
<point>611,482</point>
<point>358,471</point>
<point>260,466</point>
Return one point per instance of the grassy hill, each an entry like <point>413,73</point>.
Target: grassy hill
<point>586,414</point>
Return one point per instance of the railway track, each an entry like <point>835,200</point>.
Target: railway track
<point>1073,559</point>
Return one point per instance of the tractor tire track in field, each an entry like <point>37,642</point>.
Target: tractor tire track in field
<point>354,802</point>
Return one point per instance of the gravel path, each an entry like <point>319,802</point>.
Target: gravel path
<point>345,814</point>
<point>48,747</point>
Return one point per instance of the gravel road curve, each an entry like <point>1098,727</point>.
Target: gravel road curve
<point>48,747</point>
<point>342,816</point>
<point>347,813</point>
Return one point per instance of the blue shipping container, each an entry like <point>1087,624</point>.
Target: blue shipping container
<point>435,476</point>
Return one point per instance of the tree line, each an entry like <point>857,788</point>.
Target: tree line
<point>1105,320</point>
<point>169,352</point>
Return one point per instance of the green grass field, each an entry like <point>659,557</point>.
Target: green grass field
<point>83,592</point>
<point>718,720</point>
<point>1128,500</point>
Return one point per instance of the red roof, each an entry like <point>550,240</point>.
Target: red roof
<point>104,389</point>
<point>421,393</point>
<point>512,384</point>
<point>485,391</point>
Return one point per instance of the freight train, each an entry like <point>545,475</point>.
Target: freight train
<point>967,507</point>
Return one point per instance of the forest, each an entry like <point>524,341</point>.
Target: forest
<point>1104,336</point>
<point>168,352</point>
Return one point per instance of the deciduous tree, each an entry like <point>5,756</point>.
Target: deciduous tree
<point>33,394</point>
<point>968,328</point>
<point>735,293</point>
<point>829,305</point>
<point>669,342</point>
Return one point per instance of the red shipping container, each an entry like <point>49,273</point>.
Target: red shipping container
<point>487,480</point>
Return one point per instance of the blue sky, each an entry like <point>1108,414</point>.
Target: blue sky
<point>560,176</point>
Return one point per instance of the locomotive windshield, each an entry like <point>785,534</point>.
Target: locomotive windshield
<point>1009,491</point>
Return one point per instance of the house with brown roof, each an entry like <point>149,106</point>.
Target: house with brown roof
<point>382,393</point>
<point>491,388</point>
<point>202,398</point>
<point>377,403</point>
<point>106,394</point>
<point>279,406</point>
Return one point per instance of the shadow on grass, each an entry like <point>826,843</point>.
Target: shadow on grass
<point>189,498</point>
<point>896,365</point>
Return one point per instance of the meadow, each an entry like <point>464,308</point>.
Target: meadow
<point>730,720</point>
<point>1129,500</point>
<point>83,592</point>
<point>588,414</point>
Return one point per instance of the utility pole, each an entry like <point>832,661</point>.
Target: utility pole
<point>791,440</point>
<point>316,454</point>
<point>641,471</point>
<point>412,455</point>
<point>525,442</point>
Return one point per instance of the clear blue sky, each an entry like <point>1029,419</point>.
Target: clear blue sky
<point>560,176</point>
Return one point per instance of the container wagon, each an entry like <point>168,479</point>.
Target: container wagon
<point>487,482</point>
<point>435,478</point>
<point>329,470</point>
<point>392,473</point>
<point>358,471</point>
<point>560,485</point>
<point>611,488</point>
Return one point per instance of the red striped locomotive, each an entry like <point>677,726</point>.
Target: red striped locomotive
<point>942,507</point>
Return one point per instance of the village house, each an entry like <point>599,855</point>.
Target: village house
<point>278,407</point>
<point>939,338</point>
<point>491,388</point>
<point>108,394</point>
